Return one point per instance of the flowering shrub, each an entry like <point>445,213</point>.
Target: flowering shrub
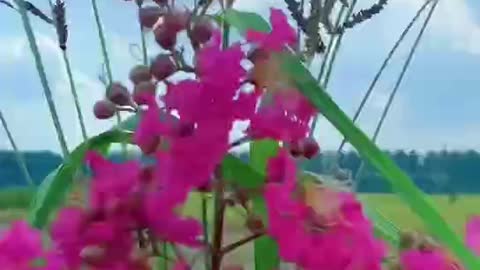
<point>133,207</point>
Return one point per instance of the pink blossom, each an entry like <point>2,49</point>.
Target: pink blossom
<point>282,33</point>
<point>337,238</point>
<point>286,118</point>
<point>421,260</point>
<point>85,239</point>
<point>472,234</point>
<point>165,221</point>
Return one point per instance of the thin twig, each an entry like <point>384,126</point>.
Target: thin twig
<point>386,61</point>
<point>205,229</point>
<point>397,83</point>
<point>142,37</point>
<point>219,214</point>
<point>233,246</point>
<point>20,159</point>
<point>43,77</point>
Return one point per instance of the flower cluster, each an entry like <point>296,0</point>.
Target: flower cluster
<point>186,132</point>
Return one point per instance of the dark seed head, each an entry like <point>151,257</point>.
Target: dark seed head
<point>118,94</point>
<point>148,16</point>
<point>162,67</point>
<point>143,92</point>
<point>140,73</point>
<point>201,31</point>
<point>104,109</point>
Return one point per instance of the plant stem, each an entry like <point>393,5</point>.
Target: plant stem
<point>43,76</point>
<point>331,50</point>
<point>106,59</point>
<point>20,160</point>
<point>330,45</point>
<point>240,243</point>
<point>398,82</point>
<point>142,37</point>
<point>75,95</point>
<point>386,61</point>
<point>219,211</point>
<point>205,229</point>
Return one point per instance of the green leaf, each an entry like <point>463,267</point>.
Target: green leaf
<point>265,248</point>
<point>241,174</point>
<point>243,21</point>
<point>399,181</point>
<point>53,191</point>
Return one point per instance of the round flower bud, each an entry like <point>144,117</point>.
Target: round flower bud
<point>140,73</point>
<point>104,109</point>
<point>310,148</point>
<point>165,37</point>
<point>162,66</point>
<point>201,31</point>
<point>143,91</point>
<point>148,16</point>
<point>118,94</point>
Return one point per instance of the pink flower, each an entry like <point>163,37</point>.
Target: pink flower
<point>286,118</point>
<point>84,239</point>
<point>21,247</point>
<point>472,234</point>
<point>339,237</point>
<point>282,33</point>
<point>166,223</point>
<point>421,260</point>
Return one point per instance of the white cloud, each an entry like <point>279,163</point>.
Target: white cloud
<point>453,22</point>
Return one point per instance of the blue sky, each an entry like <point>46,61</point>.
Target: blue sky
<point>436,107</point>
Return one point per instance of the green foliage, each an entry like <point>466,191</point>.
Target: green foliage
<point>52,192</point>
<point>243,21</point>
<point>266,250</point>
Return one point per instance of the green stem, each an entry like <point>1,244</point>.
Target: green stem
<point>331,50</point>
<point>330,45</point>
<point>20,160</point>
<point>106,59</point>
<point>142,37</point>
<point>205,229</point>
<point>43,76</point>
<point>386,61</point>
<point>75,95</point>
<point>398,82</point>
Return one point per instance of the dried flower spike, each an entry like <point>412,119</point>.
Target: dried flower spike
<point>363,15</point>
<point>60,23</point>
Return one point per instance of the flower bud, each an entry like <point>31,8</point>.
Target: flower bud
<point>161,2</point>
<point>140,73</point>
<point>165,37</point>
<point>148,16</point>
<point>104,109</point>
<point>118,94</point>
<point>142,91</point>
<point>295,149</point>
<point>201,31</point>
<point>176,20</point>
<point>255,224</point>
<point>310,147</point>
<point>162,67</point>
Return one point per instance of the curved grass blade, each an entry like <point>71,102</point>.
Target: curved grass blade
<point>53,190</point>
<point>265,248</point>
<point>243,21</point>
<point>400,182</point>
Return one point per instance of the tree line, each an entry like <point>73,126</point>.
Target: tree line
<point>434,171</point>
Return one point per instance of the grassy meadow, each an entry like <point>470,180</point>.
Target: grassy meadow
<point>14,203</point>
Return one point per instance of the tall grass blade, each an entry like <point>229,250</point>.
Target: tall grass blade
<point>20,160</point>
<point>398,82</point>
<point>385,63</point>
<point>43,76</point>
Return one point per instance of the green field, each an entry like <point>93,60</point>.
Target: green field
<point>14,202</point>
